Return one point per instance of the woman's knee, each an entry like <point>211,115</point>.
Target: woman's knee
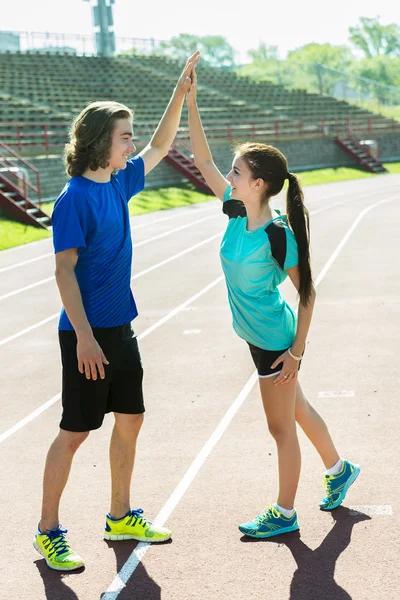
<point>280,431</point>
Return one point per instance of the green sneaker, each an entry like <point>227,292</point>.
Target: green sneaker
<point>338,484</point>
<point>134,526</point>
<point>55,549</point>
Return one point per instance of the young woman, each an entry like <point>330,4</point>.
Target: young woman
<point>259,250</point>
<point>102,370</point>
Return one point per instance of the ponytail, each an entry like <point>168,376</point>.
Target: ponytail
<point>298,219</point>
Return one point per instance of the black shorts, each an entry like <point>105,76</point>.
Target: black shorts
<point>85,401</point>
<point>263,359</point>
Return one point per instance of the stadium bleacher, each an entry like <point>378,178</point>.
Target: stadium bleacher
<point>52,88</point>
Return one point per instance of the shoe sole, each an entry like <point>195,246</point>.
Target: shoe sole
<point>271,534</point>
<point>118,538</point>
<point>349,482</point>
<point>55,567</point>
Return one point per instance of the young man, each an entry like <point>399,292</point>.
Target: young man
<point>102,369</point>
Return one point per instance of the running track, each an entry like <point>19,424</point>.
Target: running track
<point>205,459</point>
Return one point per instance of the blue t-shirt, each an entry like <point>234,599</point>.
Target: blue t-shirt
<point>94,218</point>
<point>254,263</point>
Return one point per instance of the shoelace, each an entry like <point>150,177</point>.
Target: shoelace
<point>56,537</point>
<point>270,511</point>
<point>136,515</point>
<point>328,481</point>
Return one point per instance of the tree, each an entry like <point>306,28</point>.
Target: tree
<point>320,66</point>
<point>375,39</point>
<point>336,57</point>
<point>379,70</point>
<point>215,50</point>
<point>264,53</point>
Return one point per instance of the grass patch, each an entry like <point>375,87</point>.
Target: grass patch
<point>13,233</point>
<point>393,168</point>
<point>164,198</point>
<point>332,175</point>
<point>161,199</point>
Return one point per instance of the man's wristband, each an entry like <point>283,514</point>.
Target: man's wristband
<point>298,358</point>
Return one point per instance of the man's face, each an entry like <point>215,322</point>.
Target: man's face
<point>122,143</point>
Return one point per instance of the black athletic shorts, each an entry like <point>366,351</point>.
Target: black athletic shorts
<point>263,359</point>
<point>85,401</point>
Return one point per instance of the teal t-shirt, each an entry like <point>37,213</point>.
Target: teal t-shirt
<point>254,264</point>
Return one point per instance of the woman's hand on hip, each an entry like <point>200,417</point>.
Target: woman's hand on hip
<point>290,368</point>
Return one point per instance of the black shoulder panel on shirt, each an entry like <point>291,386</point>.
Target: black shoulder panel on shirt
<point>234,208</point>
<point>277,238</point>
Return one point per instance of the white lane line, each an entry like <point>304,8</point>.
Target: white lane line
<point>25,262</point>
<point>140,274</point>
<point>382,510</point>
<point>29,418</point>
<point>162,235</point>
<point>147,332</point>
<point>181,307</point>
<point>28,329</point>
<point>178,255</point>
<point>148,241</point>
<point>27,287</point>
<point>170,217</point>
<point>153,267</point>
<point>133,561</point>
<point>171,231</point>
<point>337,394</point>
<point>338,249</point>
<point>192,331</point>
<point>135,227</point>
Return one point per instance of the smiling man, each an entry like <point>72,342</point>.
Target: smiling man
<point>102,370</point>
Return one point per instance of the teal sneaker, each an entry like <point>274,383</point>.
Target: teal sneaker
<point>337,485</point>
<point>270,522</point>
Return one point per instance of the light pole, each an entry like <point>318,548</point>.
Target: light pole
<point>103,21</point>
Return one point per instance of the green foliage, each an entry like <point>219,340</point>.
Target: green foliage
<point>338,57</point>
<point>215,50</point>
<point>328,69</point>
<point>384,69</point>
<point>375,39</point>
<point>264,53</point>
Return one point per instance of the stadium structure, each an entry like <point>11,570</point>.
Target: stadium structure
<point>41,91</point>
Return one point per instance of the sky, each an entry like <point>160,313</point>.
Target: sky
<point>287,24</point>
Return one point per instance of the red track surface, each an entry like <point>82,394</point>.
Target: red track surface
<point>195,367</point>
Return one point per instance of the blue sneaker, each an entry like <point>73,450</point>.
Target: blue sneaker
<point>270,522</point>
<point>337,485</point>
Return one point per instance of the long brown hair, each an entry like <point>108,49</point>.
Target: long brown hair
<point>270,165</point>
<point>90,136</point>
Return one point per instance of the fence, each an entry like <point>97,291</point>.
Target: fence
<point>49,137</point>
<point>18,170</point>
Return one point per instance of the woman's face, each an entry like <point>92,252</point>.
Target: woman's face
<point>241,179</point>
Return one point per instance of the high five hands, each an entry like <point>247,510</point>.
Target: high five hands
<point>191,95</point>
<point>185,81</point>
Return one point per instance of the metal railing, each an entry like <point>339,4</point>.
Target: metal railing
<point>48,136</point>
<point>9,166</point>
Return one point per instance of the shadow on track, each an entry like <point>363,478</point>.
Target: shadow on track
<point>140,586</point>
<point>314,577</point>
<point>55,582</point>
